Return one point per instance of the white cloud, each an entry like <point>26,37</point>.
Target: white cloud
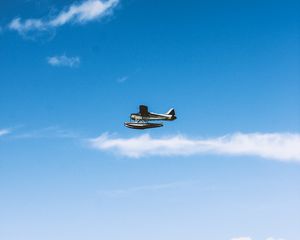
<point>63,60</point>
<point>28,25</point>
<point>4,132</point>
<point>277,146</point>
<point>84,12</point>
<point>76,13</point>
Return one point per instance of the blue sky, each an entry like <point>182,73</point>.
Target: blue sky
<point>72,72</point>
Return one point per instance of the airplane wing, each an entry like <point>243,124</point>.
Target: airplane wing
<point>144,110</point>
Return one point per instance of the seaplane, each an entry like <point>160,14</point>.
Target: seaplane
<point>142,118</point>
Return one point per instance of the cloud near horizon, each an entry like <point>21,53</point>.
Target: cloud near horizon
<point>277,146</point>
<point>249,238</point>
<point>63,61</point>
<point>86,11</point>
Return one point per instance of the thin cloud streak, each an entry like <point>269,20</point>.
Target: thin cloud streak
<point>122,79</point>
<point>272,238</point>
<point>4,132</point>
<point>242,238</point>
<point>48,132</point>
<point>64,61</point>
<point>277,146</point>
<point>249,238</point>
<point>76,13</point>
<point>151,188</point>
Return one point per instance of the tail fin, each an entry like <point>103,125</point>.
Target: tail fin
<point>171,112</point>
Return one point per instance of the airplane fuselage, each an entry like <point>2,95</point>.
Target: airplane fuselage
<point>152,117</point>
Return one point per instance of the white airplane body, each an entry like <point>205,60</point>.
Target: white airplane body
<point>151,116</point>
<point>143,116</point>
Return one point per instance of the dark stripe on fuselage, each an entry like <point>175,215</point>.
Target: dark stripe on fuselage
<point>152,117</point>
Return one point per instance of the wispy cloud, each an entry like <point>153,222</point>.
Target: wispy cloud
<point>63,61</point>
<point>47,132</point>
<point>4,132</point>
<point>272,238</point>
<point>277,146</point>
<point>83,12</point>
<point>241,238</point>
<point>151,188</point>
<point>122,79</point>
<point>249,238</point>
<point>27,25</point>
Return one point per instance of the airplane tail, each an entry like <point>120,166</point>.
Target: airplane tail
<point>171,112</point>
